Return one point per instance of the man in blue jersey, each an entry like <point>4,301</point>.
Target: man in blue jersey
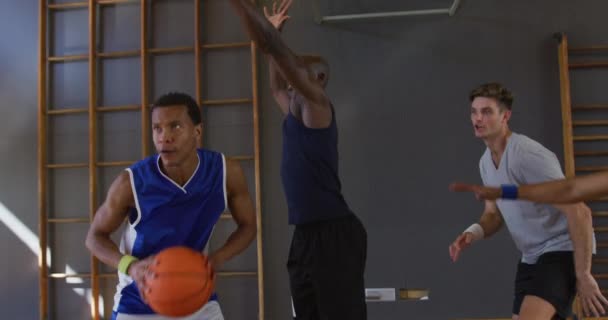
<point>173,198</point>
<point>556,241</point>
<point>327,257</point>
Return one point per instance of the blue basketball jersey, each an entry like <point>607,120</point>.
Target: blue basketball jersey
<point>167,214</point>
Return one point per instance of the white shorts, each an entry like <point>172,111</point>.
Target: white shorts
<point>210,311</point>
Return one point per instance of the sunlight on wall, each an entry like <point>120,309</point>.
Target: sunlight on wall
<point>30,239</point>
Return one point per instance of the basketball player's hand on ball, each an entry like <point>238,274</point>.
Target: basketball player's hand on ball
<point>138,271</point>
<point>279,14</point>
<point>481,193</point>
<point>463,241</point>
<point>591,297</point>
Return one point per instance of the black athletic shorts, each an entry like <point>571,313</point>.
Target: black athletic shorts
<point>326,265</point>
<point>552,278</point>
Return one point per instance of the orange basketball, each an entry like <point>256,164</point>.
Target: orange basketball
<point>179,282</point>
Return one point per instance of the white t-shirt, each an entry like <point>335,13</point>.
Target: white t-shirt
<point>536,228</point>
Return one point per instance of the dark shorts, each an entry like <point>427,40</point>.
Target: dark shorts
<point>326,265</point>
<point>552,279</point>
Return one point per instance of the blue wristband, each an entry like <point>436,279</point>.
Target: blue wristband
<point>509,191</point>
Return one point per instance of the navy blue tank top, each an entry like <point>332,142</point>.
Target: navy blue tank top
<point>309,171</point>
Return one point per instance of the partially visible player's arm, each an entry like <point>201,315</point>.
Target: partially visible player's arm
<point>278,86</point>
<point>572,190</point>
<point>583,188</point>
<point>491,220</point>
<point>581,232</point>
<point>108,219</point>
<point>537,165</point>
<point>277,17</point>
<point>580,228</point>
<point>243,212</point>
<point>294,71</point>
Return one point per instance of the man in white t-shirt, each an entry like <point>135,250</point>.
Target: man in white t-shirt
<point>556,241</point>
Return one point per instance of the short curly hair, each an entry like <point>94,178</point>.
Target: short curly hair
<point>493,90</point>
<point>180,99</point>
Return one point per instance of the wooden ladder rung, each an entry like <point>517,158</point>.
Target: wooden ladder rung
<point>223,102</point>
<point>128,163</point>
<point>212,46</point>
<point>602,276</point>
<point>594,137</point>
<point>582,123</point>
<point>118,54</point>
<point>600,229</point>
<point>115,163</point>
<point>67,5</point>
<point>601,244</point>
<point>588,49</point>
<point>86,165</point>
<point>590,153</point>
<point>170,50</point>
<point>600,260</point>
<point>98,109</point>
<point>591,168</point>
<point>68,58</point>
<point>240,158</point>
<point>119,108</point>
<point>590,107</point>
<point>68,220</point>
<point>600,214</point>
<point>109,2</point>
<point>600,199</point>
<point>66,165</point>
<point>593,64</point>
<point>83,57</point>
<point>136,53</point>
<point>66,111</point>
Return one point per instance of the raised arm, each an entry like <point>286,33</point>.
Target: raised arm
<point>278,84</point>
<point>294,70</point>
<point>278,87</point>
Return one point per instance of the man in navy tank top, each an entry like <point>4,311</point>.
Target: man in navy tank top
<point>327,256</point>
<point>173,198</point>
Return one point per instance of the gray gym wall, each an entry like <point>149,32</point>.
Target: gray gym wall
<point>400,89</point>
